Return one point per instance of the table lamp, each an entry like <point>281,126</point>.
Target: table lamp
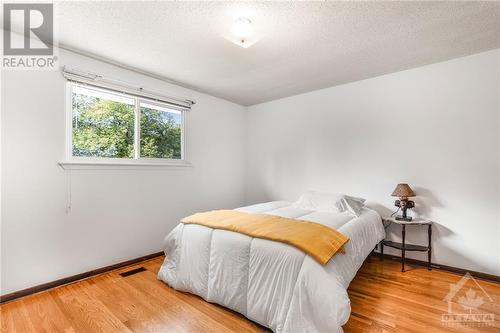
<point>403,191</point>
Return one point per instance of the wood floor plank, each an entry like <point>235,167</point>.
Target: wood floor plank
<point>383,300</point>
<point>6,321</point>
<point>86,314</point>
<point>134,312</point>
<point>45,315</point>
<point>18,318</point>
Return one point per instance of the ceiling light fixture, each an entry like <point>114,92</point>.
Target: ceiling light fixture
<point>242,29</point>
<point>242,33</point>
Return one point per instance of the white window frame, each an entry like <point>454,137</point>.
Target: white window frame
<point>82,162</point>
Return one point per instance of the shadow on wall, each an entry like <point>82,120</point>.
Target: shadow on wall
<point>425,201</point>
<point>382,210</point>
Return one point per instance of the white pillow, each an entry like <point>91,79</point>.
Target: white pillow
<point>354,205</point>
<point>330,202</point>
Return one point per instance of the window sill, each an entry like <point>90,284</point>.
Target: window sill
<point>122,165</point>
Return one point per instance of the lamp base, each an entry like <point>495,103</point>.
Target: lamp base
<point>402,218</point>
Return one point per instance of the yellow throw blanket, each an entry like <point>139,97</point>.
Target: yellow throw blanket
<point>317,240</point>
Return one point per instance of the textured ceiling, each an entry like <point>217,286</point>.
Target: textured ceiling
<point>304,46</point>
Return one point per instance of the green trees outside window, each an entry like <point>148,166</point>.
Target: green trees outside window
<point>160,133</point>
<point>103,126</point>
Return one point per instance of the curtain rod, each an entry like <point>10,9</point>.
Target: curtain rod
<point>122,87</point>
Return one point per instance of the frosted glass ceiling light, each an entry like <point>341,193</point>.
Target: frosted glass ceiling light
<point>242,33</point>
<point>242,29</point>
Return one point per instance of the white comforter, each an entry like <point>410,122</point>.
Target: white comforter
<point>271,283</point>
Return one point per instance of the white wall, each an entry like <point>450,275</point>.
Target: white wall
<point>116,215</point>
<point>435,127</point>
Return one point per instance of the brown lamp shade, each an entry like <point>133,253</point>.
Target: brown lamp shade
<point>403,191</point>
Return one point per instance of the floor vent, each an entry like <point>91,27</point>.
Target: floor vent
<point>133,271</point>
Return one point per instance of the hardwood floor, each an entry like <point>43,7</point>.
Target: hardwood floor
<point>383,300</point>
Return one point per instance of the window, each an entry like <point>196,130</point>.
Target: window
<point>110,125</point>
<point>161,132</point>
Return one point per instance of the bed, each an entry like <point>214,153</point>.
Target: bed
<point>272,283</point>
